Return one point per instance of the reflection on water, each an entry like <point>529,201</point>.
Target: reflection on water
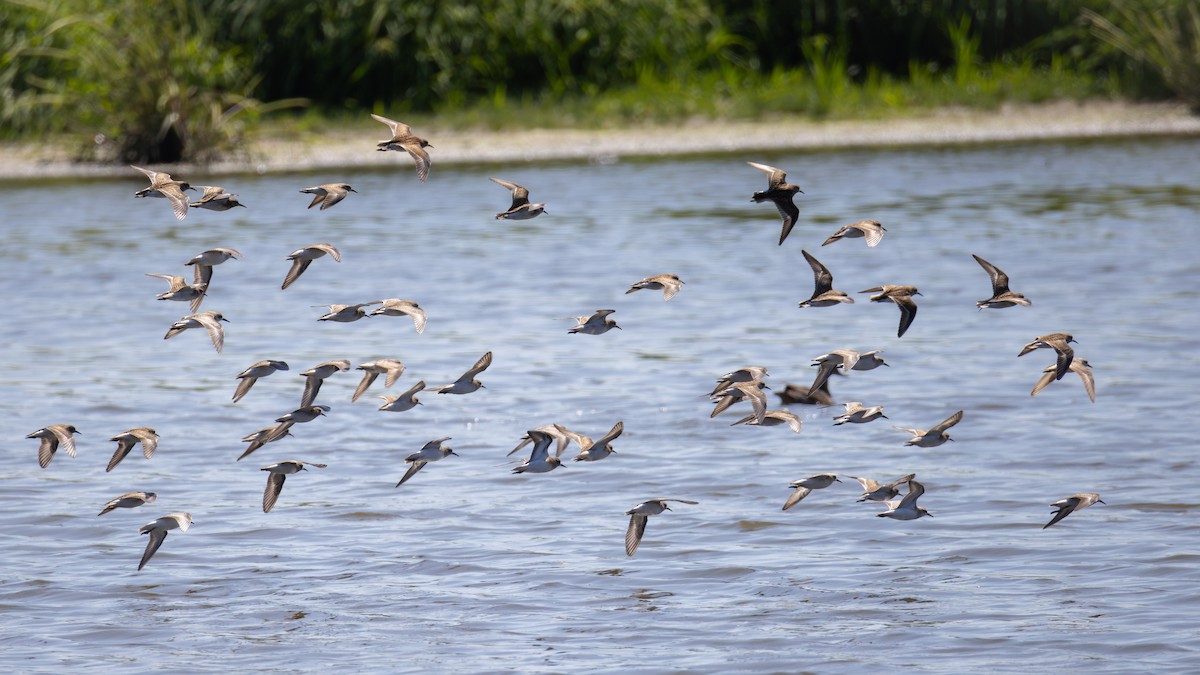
<point>485,570</point>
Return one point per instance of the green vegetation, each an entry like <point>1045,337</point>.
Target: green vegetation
<point>160,81</point>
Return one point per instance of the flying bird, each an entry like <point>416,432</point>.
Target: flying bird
<point>53,437</point>
<point>147,437</point>
<point>216,199</point>
<point>597,323</point>
<point>522,208</point>
<point>401,307</point>
<point>1080,367</point>
<point>431,452</point>
<point>1069,505</point>
<point>902,297</point>
<point>1001,296</point>
<point>179,289</point>
<point>250,375</point>
<point>303,257</point>
<point>209,321</point>
<point>373,369</point>
<point>801,488</point>
<point>466,383</point>
<point>669,284</point>
<point>781,193</point>
<point>934,436</point>
<point>1060,343</point>
<point>404,139</point>
<point>823,293</point>
<point>870,229</point>
<point>128,500</point>
<point>906,508</point>
<point>278,473</point>
<point>162,185</point>
<point>406,401</point>
<point>313,377</point>
<point>328,194</point>
<point>158,529</point>
<point>638,516</point>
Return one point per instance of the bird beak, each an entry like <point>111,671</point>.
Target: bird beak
<point>949,439</point>
<point>836,479</point>
<point>352,190</point>
<point>918,293</point>
<point>303,468</point>
<point>885,417</point>
<point>617,327</point>
<point>225,320</point>
<point>1102,502</point>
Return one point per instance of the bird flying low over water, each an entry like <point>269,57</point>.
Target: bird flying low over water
<point>302,257</point>
<point>1061,344</point>
<point>204,261</point>
<point>404,139</point>
<point>596,323</point>
<point>781,193</point>
<point>401,307</point>
<point>823,293</point>
<point>522,208</point>
<point>328,194</point>
<point>934,436</point>
<point>147,437</point>
<point>857,413</point>
<point>179,289</point>
<point>406,401</point>
<point>902,297</point>
<point>1001,296</point>
<point>278,473</point>
<point>801,488</point>
<point>162,185</point>
<point>431,452</point>
<point>315,376</point>
<point>157,529</point>
<point>216,199</point>
<point>128,500</point>
<point>906,508</point>
<point>466,383</point>
<point>540,460</point>
<point>209,321</point>
<point>641,513</point>
<point>392,368</point>
<point>53,437</point>
<point>1068,505</point>
<point>1080,367</point>
<point>874,491</point>
<point>250,375</point>
<point>669,284</point>
<point>869,229</point>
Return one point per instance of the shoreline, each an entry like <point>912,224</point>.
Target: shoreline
<point>352,147</point>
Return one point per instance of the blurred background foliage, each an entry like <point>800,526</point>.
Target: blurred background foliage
<point>182,79</point>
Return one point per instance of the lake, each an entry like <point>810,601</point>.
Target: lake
<point>467,567</point>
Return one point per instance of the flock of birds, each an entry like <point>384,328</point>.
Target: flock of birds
<point>746,384</point>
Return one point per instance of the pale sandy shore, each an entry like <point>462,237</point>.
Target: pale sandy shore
<point>354,147</point>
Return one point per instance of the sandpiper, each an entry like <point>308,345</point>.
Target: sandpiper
<point>857,413</point>
<point>902,296</point>
<point>162,185</point>
<point>1001,296</point>
<point>209,321</point>
<point>521,208</point>
<point>466,383</point>
<point>302,257</point>
<point>345,313</point>
<point>589,450</point>
<point>216,199</point>
<point>206,260</point>
<point>392,368</point>
<point>781,193</point>
<point>404,139</point>
<point>823,293</point>
<point>638,516</point>
<point>278,474</point>
<point>842,360</point>
<point>773,418</point>
<point>870,229</point>
<point>798,394</point>
<point>875,491</point>
<point>313,377</point>
<point>53,437</point>
<point>179,289</point>
<point>401,307</point>
<point>250,375</point>
<point>742,391</point>
<point>1080,367</point>
<point>263,436</point>
<point>934,436</point>
<point>540,460</point>
<point>597,323</point>
<point>1069,505</point>
<point>804,486</point>
<point>129,500</point>
<point>405,401</point>
<point>1060,343</point>
<point>431,452</point>
<point>157,529</point>
<point>125,442</point>
<point>328,194</point>
<point>305,413</point>
<point>906,508</point>
<point>746,374</point>
<point>669,284</point>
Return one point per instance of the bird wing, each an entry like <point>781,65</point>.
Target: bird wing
<point>216,332</point>
<point>612,434</point>
<point>412,471</point>
<point>794,498</point>
<point>1043,381</point>
<point>873,233</point>
<point>789,213</point>
<point>333,195</point>
<point>670,287</point>
<point>868,484</point>
<point>822,279</point>
<point>397,128</point>
<point>420,158</point>
<point>298,267</point>
<point>157,537</point>
<point>480,366</point>
<point>368,378</point>
<point>999,278</point>
<point>1065,356</point>
<point>274,487</point>
<point>179,201</point>
<point>1089,380</point>
<point>947,423</point>
<point>633,535</point>
<point>774,176</point>
<point>1065,508</point>
<point>908,312</point>
<point>243,388</point>
<point>915,490</point>
<point>124,445</point>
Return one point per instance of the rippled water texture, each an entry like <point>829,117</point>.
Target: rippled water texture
<point>469,568</point>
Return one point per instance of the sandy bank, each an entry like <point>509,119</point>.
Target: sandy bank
<point>353,147</point>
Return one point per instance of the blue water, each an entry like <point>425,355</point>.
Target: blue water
<point>469,568</point>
